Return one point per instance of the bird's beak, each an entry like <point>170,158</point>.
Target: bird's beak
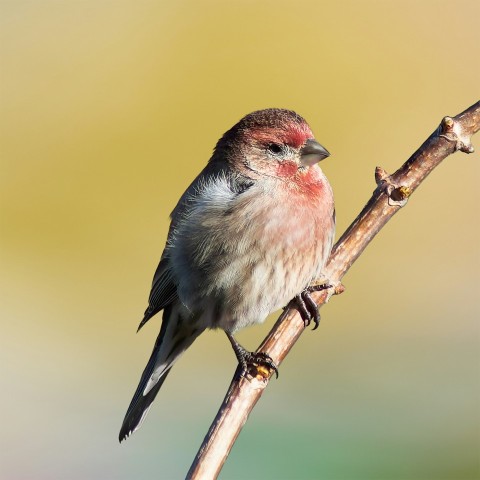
<point>312,152</point>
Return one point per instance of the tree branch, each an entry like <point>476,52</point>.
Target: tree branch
<point>391,194</point>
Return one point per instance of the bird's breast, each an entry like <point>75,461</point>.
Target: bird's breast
<point>249,257</point>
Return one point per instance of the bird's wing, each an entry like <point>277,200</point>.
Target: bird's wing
<point>164,290</point>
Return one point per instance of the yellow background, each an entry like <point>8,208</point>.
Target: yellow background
<point>108,110</point>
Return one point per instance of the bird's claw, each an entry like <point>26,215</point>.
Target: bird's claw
<point>246,359</point>
<point>307,307</point>
<point>259,360</point>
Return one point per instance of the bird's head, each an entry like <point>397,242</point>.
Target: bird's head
<point>272,142</point>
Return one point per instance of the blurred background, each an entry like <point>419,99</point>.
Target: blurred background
<point>108,110</point>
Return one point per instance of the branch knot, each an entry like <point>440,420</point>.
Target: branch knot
<point>453,132</point>
<point>397,194</point>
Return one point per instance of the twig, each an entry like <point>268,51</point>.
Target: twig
<point>391,194</point>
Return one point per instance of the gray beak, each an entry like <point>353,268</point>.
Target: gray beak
<point>312,152</point>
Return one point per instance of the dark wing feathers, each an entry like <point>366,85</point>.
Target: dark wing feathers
<point>163,292</point>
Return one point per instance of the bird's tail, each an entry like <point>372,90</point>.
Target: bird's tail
<point>176,335</point>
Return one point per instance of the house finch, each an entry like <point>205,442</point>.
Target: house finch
<point>251,232</point>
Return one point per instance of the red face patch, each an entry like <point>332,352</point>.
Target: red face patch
<point>286,169</point>
<point>294,135</point>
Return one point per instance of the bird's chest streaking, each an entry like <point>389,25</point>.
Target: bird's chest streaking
<point>281,235</point>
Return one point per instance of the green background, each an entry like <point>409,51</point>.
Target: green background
<point>108,111</point>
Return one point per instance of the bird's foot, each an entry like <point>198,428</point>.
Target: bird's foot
<point>306,305</point>
<point>260,360</point>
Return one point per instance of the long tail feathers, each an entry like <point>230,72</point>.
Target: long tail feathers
<point>175,336</point>
<point>138,409</point>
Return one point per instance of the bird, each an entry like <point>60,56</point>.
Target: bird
<point>250,234</point>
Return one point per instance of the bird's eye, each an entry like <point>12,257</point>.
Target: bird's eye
<point>275,148</point>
